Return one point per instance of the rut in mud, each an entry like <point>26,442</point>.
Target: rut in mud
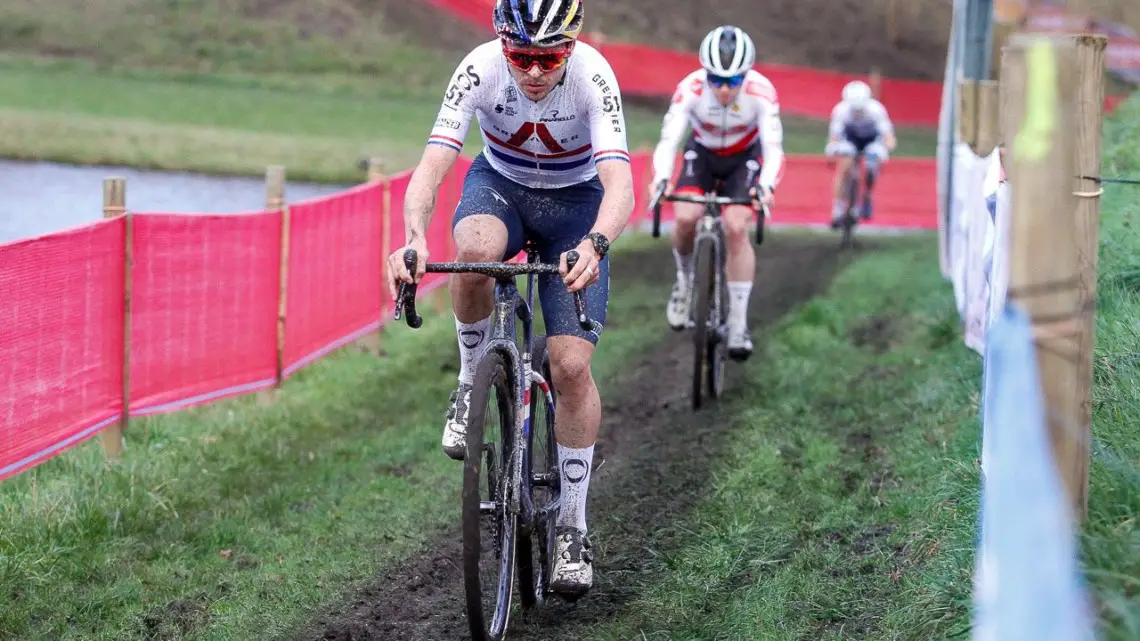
<point>653,460</point>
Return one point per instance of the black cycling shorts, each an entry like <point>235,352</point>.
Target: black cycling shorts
<point>702,169</point>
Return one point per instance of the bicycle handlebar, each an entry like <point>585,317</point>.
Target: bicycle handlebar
<point>704,199</point>
<point>406,297</point>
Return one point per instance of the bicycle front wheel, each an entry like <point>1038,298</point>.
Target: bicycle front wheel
<point>849,220</point>
<point>488,529</point>
<point>703,283</point>
<point>536,552</point>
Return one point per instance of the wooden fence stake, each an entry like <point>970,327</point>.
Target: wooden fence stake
<point>115,204</point>
<point>275,201</point>
<point>987,131</point>
<point>1043,262</point>
<point>1090,118</point>
<point>968,111</point>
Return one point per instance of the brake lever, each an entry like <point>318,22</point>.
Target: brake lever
<point>406,298</point>
<point>579,301</point>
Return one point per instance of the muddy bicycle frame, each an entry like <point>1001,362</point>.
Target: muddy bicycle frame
<point>508,305</point>
<point>511,502</point>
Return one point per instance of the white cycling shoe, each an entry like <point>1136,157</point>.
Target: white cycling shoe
<point>677,310</point>
<point>455,428</point>
<point>573,572</point>
<point>739,343</point>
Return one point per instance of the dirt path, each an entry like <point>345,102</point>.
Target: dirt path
<point>657,458</point>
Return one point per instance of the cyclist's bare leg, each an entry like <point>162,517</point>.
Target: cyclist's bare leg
<point>684,231</point>
<point>576,427</point>
<point>740,270</point>
<point>576,423</point>
<point>478,238</point>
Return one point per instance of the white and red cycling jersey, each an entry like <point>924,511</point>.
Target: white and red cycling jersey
<point>549,144</point>
<point>753,117</point>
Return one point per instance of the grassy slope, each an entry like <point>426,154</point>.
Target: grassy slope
<point>1111,545</point>
<point>230,86</point>
<point>239,124</point>
<point>848,508</point>
<point>237,521</point>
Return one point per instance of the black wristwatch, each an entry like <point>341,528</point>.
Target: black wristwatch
<point>601,243</point>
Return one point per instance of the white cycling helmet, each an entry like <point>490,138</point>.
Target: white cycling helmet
<point>857,94</point>
<point>727,51</point>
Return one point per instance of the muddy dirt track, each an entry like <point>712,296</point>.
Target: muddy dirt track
<point>653,459</point>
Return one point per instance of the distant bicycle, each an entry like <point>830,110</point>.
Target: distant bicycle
<point>510,495</point>
<point>852,188</point>
<point>709,313</point>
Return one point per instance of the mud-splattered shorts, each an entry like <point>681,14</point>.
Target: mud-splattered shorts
<point>556,220</point>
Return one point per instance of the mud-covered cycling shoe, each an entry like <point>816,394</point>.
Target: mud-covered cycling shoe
<point>455,428</point>
<point>739,343</point>
<point>573,572</point>
<point>677,310</point>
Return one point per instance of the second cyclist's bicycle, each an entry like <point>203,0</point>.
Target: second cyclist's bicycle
<point>709,308</point>
<point>510,476</point>
<point>852,189</point>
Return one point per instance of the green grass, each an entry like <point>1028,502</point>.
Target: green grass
<point>236,521</point>
<point>847,508</point>
<point>1111,534</point>
<point>318,127</point>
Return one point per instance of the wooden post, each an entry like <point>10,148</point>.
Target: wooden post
<point>987,126</point>
<point>275,201</point>
<point>1002,30</point>
<point>1043,261</point>
<point>968,111</point>
<point>115,204</point>
<point>1090,118</point>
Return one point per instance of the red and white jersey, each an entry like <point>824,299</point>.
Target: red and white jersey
<point>552,143</point>
<point>753,115</point>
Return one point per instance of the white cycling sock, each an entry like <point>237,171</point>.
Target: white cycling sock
<point>575,467</point>
<point>472,338</point>
<point>738,293</point>
<point>684,265</point>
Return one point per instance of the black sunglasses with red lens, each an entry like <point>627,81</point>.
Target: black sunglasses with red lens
<point>526,59</point>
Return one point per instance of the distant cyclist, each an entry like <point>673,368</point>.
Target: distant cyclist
<point>737,137</point>
<point>555,169</point>
<point>858,123</point>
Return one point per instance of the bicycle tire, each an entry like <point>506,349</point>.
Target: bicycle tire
<point>849,219</point>
<point>493,371</point>
<point>534,580</point>
<point>703,284</point>
<point>716,356</point>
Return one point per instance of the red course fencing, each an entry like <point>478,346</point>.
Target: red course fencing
<point>651,71</point>
<point>205,294</point>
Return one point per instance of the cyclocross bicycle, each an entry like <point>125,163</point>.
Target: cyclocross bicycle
<point>510,495</point>
<point>708,312</point>
<point>852,181</point>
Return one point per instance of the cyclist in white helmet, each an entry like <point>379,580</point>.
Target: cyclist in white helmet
<point>737,139</point>
<point>858,123</point>
<point>555,168</point>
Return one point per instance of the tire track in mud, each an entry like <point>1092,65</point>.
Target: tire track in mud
<point>654,459</point>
